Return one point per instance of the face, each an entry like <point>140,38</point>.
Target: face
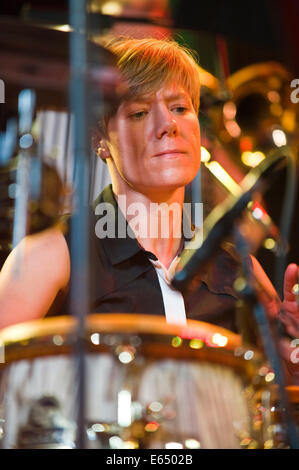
<point>154,141</point>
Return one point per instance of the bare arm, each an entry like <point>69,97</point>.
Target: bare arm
<point>288,313</point>
<point>32,275</point>
<point>266,291</point>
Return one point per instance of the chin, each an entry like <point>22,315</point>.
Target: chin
<point>165,181</point>
<point>171,185</point>
<point>177,180</point>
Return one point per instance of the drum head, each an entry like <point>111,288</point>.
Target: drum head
<point>148,384</point>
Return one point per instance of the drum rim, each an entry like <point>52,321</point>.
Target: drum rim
<point>116,323</point>
<point>38,338</point>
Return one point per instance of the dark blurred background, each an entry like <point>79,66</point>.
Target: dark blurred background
<point>255,30</point>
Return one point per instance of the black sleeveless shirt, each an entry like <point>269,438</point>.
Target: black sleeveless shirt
<point>123,280</point>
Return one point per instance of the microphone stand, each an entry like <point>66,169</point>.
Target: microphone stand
<point>268,336</point>
<point>26,106</point>
<point>79,284</point>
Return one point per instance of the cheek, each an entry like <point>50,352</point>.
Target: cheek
<point>126,150</point>
<point>128,139</point>
<point>191,128</point>
<point>119,144</point>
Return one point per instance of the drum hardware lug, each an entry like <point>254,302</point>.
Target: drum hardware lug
<point>46,427</point>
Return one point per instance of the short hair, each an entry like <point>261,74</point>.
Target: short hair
<point>148,63</point>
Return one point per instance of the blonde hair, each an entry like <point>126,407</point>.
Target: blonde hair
<point>148,63</point>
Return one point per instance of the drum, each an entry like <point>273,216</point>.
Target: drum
<point>148,384</point>
<point>278,429</point>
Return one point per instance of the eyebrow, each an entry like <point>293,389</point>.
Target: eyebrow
<point>138,99</point>
<point>177,96</point>
<point>148,98</point>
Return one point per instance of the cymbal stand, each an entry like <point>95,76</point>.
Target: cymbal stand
<point>26,107</point>
<point>79,228</point>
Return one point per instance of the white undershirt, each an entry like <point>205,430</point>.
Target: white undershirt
<point>173,300</point>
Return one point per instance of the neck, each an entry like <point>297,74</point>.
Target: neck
<point>155,218</point>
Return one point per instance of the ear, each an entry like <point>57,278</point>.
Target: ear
<point>98,143</point>
<point>103,150</point>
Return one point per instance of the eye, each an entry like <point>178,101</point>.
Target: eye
<point>180,109</point>
<point>138,115</point>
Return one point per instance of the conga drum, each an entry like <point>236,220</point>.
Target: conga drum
<point>148,384</point>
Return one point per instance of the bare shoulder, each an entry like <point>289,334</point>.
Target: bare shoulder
<point>31,277</point>
<point>47,251</point>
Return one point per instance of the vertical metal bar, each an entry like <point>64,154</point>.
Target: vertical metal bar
<point>79,229</point>
<point>287,215</point>
<point>196,191</point>
<point>26,107</point>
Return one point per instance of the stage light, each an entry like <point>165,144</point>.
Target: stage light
<point>273,96</point>
<point>205,154</point>
<point>151,427</point>
<point>196,344</point>
<point>248,355</point>
<point>126,357</point>
<point>192,444</point>
<point>269,243</point>
<point>270,377</point>
<point>112,8</point>
<point>257,213</point>
<point>219,172</point>
<point>229,110</point>
<point>155,407</point>
<point>66,28</point>
<point>116,442</point>
<point>176,341</point>
<point>279,138</point>
<point>252,159</point>
<point>124,417</point>
<point>173,445</point>
<point>98,427</point>
<point>233,128</point>
<point>95,338</point>
<point>220,340</point>
<point>288,120</point>
<point>246,144</point>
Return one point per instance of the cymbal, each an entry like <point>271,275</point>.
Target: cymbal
<point>38,57</point>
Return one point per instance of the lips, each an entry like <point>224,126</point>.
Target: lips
<point>169,152</point>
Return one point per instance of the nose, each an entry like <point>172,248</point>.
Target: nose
<point>165,123</point>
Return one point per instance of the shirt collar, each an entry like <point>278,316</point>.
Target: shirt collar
<point>121,249</point>
<point>117,249</point>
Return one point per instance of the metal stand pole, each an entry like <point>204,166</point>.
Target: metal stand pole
<point>80,225</point>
